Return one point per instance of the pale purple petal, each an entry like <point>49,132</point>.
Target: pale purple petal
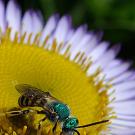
<point>62,29</point>
<point>32,23</point>
<point>77,37</point>
<point>37,22</point>
<point>114,63</point>
<point>13,11</point>
<point>127,85</point>
<point>105,60</point>
<point>49,27</point>
<point>124,123</point>
<point>82,45</point>
<point>123,77</point>
<point>121,131</point>
<point>98,51</point>
<point>117,71</point>
<point>126,117</point>
<point>125,95</point>
<point>27,24</point>
<point>70,34</point>
<point>2,17</point>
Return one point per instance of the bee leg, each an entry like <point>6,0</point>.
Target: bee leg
<point>55,126</point>
<point>39,126</point>
<point>40,122</point>
<point>76,131</point>
<point>15,113</point>
<point>61,133</point>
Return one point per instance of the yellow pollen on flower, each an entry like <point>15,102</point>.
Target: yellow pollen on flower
<point>47,69</point>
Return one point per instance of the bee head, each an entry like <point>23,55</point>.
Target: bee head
<point>62,110</point>
<point>70,123</point>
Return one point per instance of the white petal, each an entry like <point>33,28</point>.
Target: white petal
<point>70,34</point>
<point>13,16</point>
<point>31,23</point>
<point>49,27</point>
<point>82,42</point>
<point>27,24</point>
<point>122,131</point>
<point>116,71</point>
<point>77,37</point>
<point>133,76</point>
<point>123,77</point>
<point>126,117</point>
<point>99,51</point>
<point>37,22</point>
<point>124,107</point>
<point>2,17</point>
<point>62,29</point>
<point>125,95</point>
<point>91,44</point>
<point>82,45</point>
<point>127,85</point>
<point>114,63</point>
<point>124,123</point>
<point>105,60</point>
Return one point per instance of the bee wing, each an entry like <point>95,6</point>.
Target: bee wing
<point>31,90</point>
<point>24,88</point>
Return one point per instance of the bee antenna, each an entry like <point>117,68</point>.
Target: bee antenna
<point>92,124</point>
<point>76,132</point>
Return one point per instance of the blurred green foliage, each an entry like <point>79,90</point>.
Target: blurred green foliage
<point>115,17</point>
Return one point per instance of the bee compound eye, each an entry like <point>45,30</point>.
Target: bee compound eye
<point>71,123</point>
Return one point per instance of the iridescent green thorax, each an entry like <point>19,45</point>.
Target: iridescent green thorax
<point>70,123</point>
<point>62,110</point>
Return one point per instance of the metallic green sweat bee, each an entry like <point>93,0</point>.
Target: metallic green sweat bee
<point>54,110</point>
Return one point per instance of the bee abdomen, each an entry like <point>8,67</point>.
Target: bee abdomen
<point>24,101</point>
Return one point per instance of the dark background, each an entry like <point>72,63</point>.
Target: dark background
<point>115,17</point>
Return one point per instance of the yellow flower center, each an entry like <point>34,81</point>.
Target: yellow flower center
<point>51,71</point>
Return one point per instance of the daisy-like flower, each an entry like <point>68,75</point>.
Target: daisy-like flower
<point>72,64</point>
